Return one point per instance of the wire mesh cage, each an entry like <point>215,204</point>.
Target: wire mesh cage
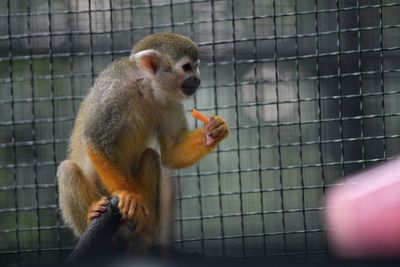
<point>309,89</point>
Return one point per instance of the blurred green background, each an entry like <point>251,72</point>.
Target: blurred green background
<point>309,88</point>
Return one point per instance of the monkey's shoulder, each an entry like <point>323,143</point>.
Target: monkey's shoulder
<point>115,71</point>
<point>117,67</point>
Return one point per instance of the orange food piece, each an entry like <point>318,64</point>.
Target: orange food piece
<point>200,116</point>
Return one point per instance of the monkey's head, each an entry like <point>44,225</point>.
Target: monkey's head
<point>170,61</point>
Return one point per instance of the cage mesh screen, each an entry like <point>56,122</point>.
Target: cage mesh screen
<point>309,89</point>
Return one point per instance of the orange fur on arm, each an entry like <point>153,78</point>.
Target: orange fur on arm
<point>111,176</point>
<point>188,151</point>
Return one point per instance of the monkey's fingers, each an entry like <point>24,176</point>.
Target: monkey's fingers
<point>103,202</point>
<point>131,210</point>
<point>97,208</point>
<point>125,205</point>
<point>216,130</point>
<point>141,217</point>
<point>145,211</point>
<point>215,122</point>
<point>122,204</point>
<point>220,132</point>
<point>100,208</point>
<point>92,215</point>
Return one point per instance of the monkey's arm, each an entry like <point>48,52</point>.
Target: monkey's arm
<point>189,150</point>
<point>120,184</point>
<point>110,174</point>
<point>191,146</point>
<point>131,199</point>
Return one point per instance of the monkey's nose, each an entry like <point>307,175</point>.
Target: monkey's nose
<point>196,82</point>
<point>190,85</point>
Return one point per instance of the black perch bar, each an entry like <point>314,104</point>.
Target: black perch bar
<point>97,239</point>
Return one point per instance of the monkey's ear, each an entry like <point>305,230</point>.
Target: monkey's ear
<point>148,60</point>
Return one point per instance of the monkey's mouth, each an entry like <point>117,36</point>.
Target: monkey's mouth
<point>189,90</point>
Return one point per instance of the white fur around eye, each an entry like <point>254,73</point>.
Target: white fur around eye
<point>197,67</point>
<point>180,63</point>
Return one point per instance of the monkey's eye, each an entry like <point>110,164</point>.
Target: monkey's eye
<point>187,67</point>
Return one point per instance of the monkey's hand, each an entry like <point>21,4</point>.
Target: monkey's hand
<point>132,208</point>
<point>216,130</point>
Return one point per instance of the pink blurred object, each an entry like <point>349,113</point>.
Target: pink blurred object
<point>363,214</point>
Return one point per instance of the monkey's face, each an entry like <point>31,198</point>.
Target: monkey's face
<point>177,80</point>
<point>189,72</point>
<point>170,80</point>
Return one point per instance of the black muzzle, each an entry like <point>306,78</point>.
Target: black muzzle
<point>190,85</point>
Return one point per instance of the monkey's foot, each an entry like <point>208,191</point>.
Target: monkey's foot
<point>132,209</point>
<point>97,208</point>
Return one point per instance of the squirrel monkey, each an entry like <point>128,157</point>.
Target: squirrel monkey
<point>134,101</point>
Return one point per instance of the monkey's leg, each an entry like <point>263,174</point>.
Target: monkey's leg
<point>148,180</point>
<point>75,196</point>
